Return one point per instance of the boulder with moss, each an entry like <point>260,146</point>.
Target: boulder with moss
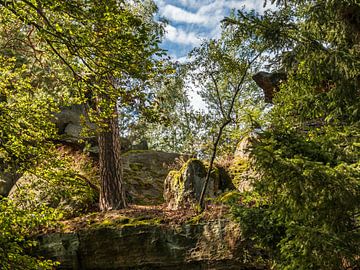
<point>126,243</point>
<point>242,169</point>
<point>69,183</point>
<point>182,188</point>
<point>144,174</point>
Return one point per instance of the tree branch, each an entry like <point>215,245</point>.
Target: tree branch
<point>227,121</point>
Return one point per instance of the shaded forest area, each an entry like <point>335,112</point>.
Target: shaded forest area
<point>277,146</point>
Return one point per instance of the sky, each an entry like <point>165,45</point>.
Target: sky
<point>190,21</point>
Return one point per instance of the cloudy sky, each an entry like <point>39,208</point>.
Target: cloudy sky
<point>190,21</point>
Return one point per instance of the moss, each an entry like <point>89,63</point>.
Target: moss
<point>143,222</point>
<point>124,221</point>
<point>176,176</point>
<point>232,197</point>
<point>136,166</point>
<point>136,152</point>
<point>105,223</point>
<point>236,170</point>
<point>196,219</point>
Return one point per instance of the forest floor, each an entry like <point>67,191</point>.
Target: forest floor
<point>135,215</point>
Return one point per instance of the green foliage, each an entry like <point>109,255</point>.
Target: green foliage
<point>68,183</point>
<point>308,157</point>
<point>16,228</point>
<point>221,70</point>
<point>173,125</point>
<point>26,114</point>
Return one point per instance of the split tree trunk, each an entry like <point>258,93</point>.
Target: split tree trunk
<point>112,194</point>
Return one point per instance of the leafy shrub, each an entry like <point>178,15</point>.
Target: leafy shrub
<point>16,228</point>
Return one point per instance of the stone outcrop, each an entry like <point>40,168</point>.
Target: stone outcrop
<point>242,169</point>
<point>182,188</point>
<point>144,174</point>
<point>212,245</point>
<point>7,181</point>
<point>269,82</point>
<point>69,122</point>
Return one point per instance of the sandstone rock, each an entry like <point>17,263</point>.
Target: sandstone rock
<point>242,169</point>
<point>269,82</point>
<point>144,174</point>
<point>212,245</point>
<point>143,145</point>
<point>67,115</point>
<point>7,181</point>
<point>183,188</point>
<point>70,124</point>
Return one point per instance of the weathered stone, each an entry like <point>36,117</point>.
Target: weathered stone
<point>69,115</point>
<point>269,82</point>
<point>73,131</point>
<point>182,188</point>
<point>143,145</point>
<point>144,174</point>
<point>70,123</point>
<point>7,181</point>
<point>213,245</point>
<point>242,169</point>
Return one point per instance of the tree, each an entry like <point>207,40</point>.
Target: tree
<point>109,48</point>
<point>304,209</point>
<point>28,104</point>
<point>222,71</point>
<point>179,129</point>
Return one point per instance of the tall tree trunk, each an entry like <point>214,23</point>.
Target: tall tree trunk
<point>112,194</point>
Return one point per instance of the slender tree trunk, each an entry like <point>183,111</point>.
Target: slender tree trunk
<point>112,194</point>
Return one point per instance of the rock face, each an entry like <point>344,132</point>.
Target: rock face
<point>144,174</point>
<point>269,82</point>
<point>69,123</point>
<point>7,181</point>
<point>182,188</point>
<point>214,245</point>
<point>242,169</point>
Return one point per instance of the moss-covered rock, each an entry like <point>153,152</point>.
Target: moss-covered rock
<point>241,170</point>
<point>215,244</point>
<point>182,188</point>
<point>144,174</point>
<point>71,187</point>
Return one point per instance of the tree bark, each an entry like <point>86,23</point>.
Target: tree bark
<point>112,194</point>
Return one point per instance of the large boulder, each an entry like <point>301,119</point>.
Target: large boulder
<point>70,122</point>
<point>182,189</point>
<point>144,174</point>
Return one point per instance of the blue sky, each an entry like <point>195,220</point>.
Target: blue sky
<point>190,21</point>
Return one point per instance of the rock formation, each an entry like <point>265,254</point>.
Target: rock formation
<point>182,188</point>
<point>269,82</point>
<point>144,174</point>
<point>241,169</point>
<point>212,245</point>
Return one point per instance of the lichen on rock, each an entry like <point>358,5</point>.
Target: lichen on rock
<point>182,188</point>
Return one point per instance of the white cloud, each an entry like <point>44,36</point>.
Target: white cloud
<point>208,12</point>
<point>177,35</point>
<point>180,15</point>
